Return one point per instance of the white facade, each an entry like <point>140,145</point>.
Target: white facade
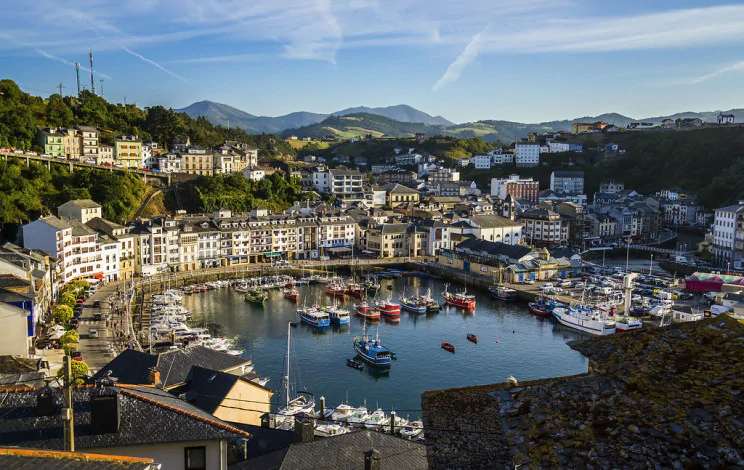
<point>556,147</point>
<point>482,162</point>
<point>81,210</point>
<point>110,258</point>
<point>14,340</point>
<point>464,162</point>
<point>527,154</point>
<point>346,184</point>
<point>408,159</point>
<point>321,179</point>
<point>728,235</point>
<point>254,174</point>
<point>170,163</point>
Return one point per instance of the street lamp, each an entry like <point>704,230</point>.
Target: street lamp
<point>651,269</point>
<point>728,268</point>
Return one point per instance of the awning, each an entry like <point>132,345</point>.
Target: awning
<point>339,249</point>
<point>272,255</point>
<point>98,276</point>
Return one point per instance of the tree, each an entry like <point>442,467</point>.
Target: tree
<point>70,336</point>
<point>67,299</point>
<point>62,313</point>
<point>79,371</point>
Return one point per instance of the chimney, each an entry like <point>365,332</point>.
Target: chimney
<point>154,376</point>
<point>304,430</point>
<point>372,460</point>
<point>105,412</point>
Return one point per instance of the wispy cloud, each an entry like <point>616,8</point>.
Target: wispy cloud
<point>220,58</point>
<point>665,30</point>
<point>463,60</point>
<point>149,61</point>
<point>730,68</point>
<point>317,39</point>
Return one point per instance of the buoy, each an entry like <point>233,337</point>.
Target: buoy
<point>497,341</point>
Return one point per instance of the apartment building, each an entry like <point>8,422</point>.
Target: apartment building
<point>128,151</point>
<point>170,163</point>
<point>516,187</point>
<point>397,194</point>
<point>443,175</point>
<point>72,142</point>
<point>197,161</point>
<point>526,154</point>
<point>728,235</point>
<point>397,240</point>
<point>346,184</point>
<point>89,141</point>
<point>105,155</point>
<point>52,141</point>
<point>569,182</point>
<point>124,255</point>
<point>543,226</point>
<point>81,210</point>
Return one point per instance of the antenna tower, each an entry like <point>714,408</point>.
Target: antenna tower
<point>77,72</point>
<point>92,82</point>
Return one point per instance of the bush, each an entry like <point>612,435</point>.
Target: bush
<point>79,370</point>
<point>62,313</point>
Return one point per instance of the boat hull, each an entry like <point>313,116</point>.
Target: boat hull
<point>470,305</point>
<point>415,308</point>
<point>318,323</point>
<point>539,310</point>
<point>372,360</point>
<point>587,326</point>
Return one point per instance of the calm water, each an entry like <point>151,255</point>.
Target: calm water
<point>528,347</point>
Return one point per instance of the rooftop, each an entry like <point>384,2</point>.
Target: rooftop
<point>84,203</point>
<point>31,459</point>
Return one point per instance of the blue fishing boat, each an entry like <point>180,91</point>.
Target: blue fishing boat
<point>314,316</point>
<point>413,304</point>
<point>372,351</point>
<point>338,315</point>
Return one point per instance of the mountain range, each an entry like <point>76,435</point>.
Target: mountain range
<point>403,121</point>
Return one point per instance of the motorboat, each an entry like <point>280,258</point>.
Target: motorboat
<point>386,307</point>
<point>371,350</point>
<point>377,420</point>
<point>330,430</point>
<point>460,299</point>
<point>338,315</point>
<point>292,294</point>
<point>353,363</point>
<point>342,412</point>
<point>413,304</point>
<point>358,417</point>
<point>355,290</point>
<point>256,296</point>
<point>584,319</point>
<point>472,338</point>
<point>412,430</point>
<point>624,324</point>
<point>365,311</point>
<point>336,289</point>
<point>503,293</point>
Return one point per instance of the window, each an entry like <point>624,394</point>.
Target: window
<point>195,458</point>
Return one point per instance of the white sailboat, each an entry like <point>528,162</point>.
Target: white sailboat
<point>303,403</point>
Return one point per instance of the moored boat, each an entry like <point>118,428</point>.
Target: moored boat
<point>355,290</point>
<point>386,307</point>
<point>377,420</point>
<point>256,296</point>
<point>624,324</point>
<point>336,289</point>
<point>330,430</point>
<point>338,315</point>
<point>363,310</point>
<point>460,299</point>
<point>353,363</point>
<point>412,430</point>
<point>503,293</point>
<point>448,347</point>
<point>292,294</point>
<point>371,350</point>
<point>472,338</point>
<point>539,308</point>
<point>314,316</point>
<point>358,417</point>
<point>584,319</point>
<point>412,304</point>
<point>342,412</point>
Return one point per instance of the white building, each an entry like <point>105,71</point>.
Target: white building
<point>728,235</point>
<point>110,249</point>
<point>321,178</point>
<point>14,339</point>
<point>255,174</point>
<point>527,154</point>
<point>464,162</point>
<point>491,227</point>
<point>346,184</point>
<point>482,162</point>
<point>81,210</point>
<point>569,182</point>
<point>556,147</point>
<point>408,159</point>
<point>170,163</point>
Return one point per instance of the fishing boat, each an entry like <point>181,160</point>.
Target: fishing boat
<point>412,430</point>
<point>371,350</point>
<point>330,430</point>
<point>371,284</point>
<point>377,420</point>
<point>503,293</point>
<point>353,363</point>
<point>413,304</point>
<point>460,299</point>
<point>256,296</point>
<point>363,310</point>
<point>338,315</point>
<point>448,347</point>
<point>336,289</point>
<point>358,417</point>
<point>540,308</point>
<point>342,412</point>
<point>624,324</point>
<point>584,319</point>
<point>314,316</point>
<point>472,338</point>
<point>355,290</point>
<point>386,307</point>
<point>292,294</point>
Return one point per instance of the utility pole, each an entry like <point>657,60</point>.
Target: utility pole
<point>67,415</point>
<point>92,83</point>
<point>60,89</point>
<point>77,71</point>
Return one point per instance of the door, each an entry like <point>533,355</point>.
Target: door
<point>466,266</point>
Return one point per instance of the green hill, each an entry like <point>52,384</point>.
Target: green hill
<point>362,124</point>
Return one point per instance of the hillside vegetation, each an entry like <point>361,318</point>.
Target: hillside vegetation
<point>21,114</point>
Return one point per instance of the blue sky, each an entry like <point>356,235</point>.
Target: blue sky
<point>522,60</point>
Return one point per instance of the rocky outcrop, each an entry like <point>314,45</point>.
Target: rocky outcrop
<point>657,398</point>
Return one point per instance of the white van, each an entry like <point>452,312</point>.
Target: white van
<point>663,295</point>
<point>603,290</point>
<point>547,285</point>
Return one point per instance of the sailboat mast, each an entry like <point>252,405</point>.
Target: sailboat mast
<point>286,377</point>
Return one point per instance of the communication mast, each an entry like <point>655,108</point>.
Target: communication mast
<point>92,82</point>
<point>77,72</point>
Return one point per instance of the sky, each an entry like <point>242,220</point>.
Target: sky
<point>467,60</point>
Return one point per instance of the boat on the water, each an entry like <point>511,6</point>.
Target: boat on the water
<point>342,412</point>
<point>336,289</point>
<point>413,304</point>
<point>256,296</point>
<point>355,290</point>
<point>314,316</point>
<point>386,307</point>
<point>358,417</point>
<point>448,347</point>
<point>292,294</point>
<point>330,430</point>
<point>412,430</point>
<point>364,310</point>
<point>586,319</point>
<point>377,420</point>
<point>472,338</point>
<point>338,315</point>
<point>353,363</point>
<point>540,309</point>
<point>372,351</point>
<point>302,404</point>
<point>503,293</point>
<point>460,299</point>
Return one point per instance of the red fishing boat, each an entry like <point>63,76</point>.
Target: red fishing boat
<point>355,290</point>
<point>448,347</point>
<point>336,289</point>
<point>292,294</point>
<point>539,308</point>
<point>472,338</point>
<point>387,308</point>
<point>460,299</point>
<point>363,310</point>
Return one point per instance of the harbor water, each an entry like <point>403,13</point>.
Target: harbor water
<point>511,342</point>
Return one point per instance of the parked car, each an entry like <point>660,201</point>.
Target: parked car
<point>97,304</point>
<point>92,333</point>
<point>118,165</point>
<point>31,153</point>
<point>92,162</point>
<point>97,317</point>
<point>529,281</point>
<point>547,285</point>
<point>76,355</point>
<point>61,157</point>
<point>685,296</point>
<point>46,155</point>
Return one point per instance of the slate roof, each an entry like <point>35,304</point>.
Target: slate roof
<point>28,459</point>
<point>133,367</point>
<point>18,365</point>
<point>21,380</point>
<point>11,281</point>
<point>148,416</point>
<point>207,388</point>
<point>345,452</point>
<point>84,203</point>
<point>393,228</point>
<point>400,189</point>
<point>56,222</point>
<point>494,249</point>
<point>493,221</point>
